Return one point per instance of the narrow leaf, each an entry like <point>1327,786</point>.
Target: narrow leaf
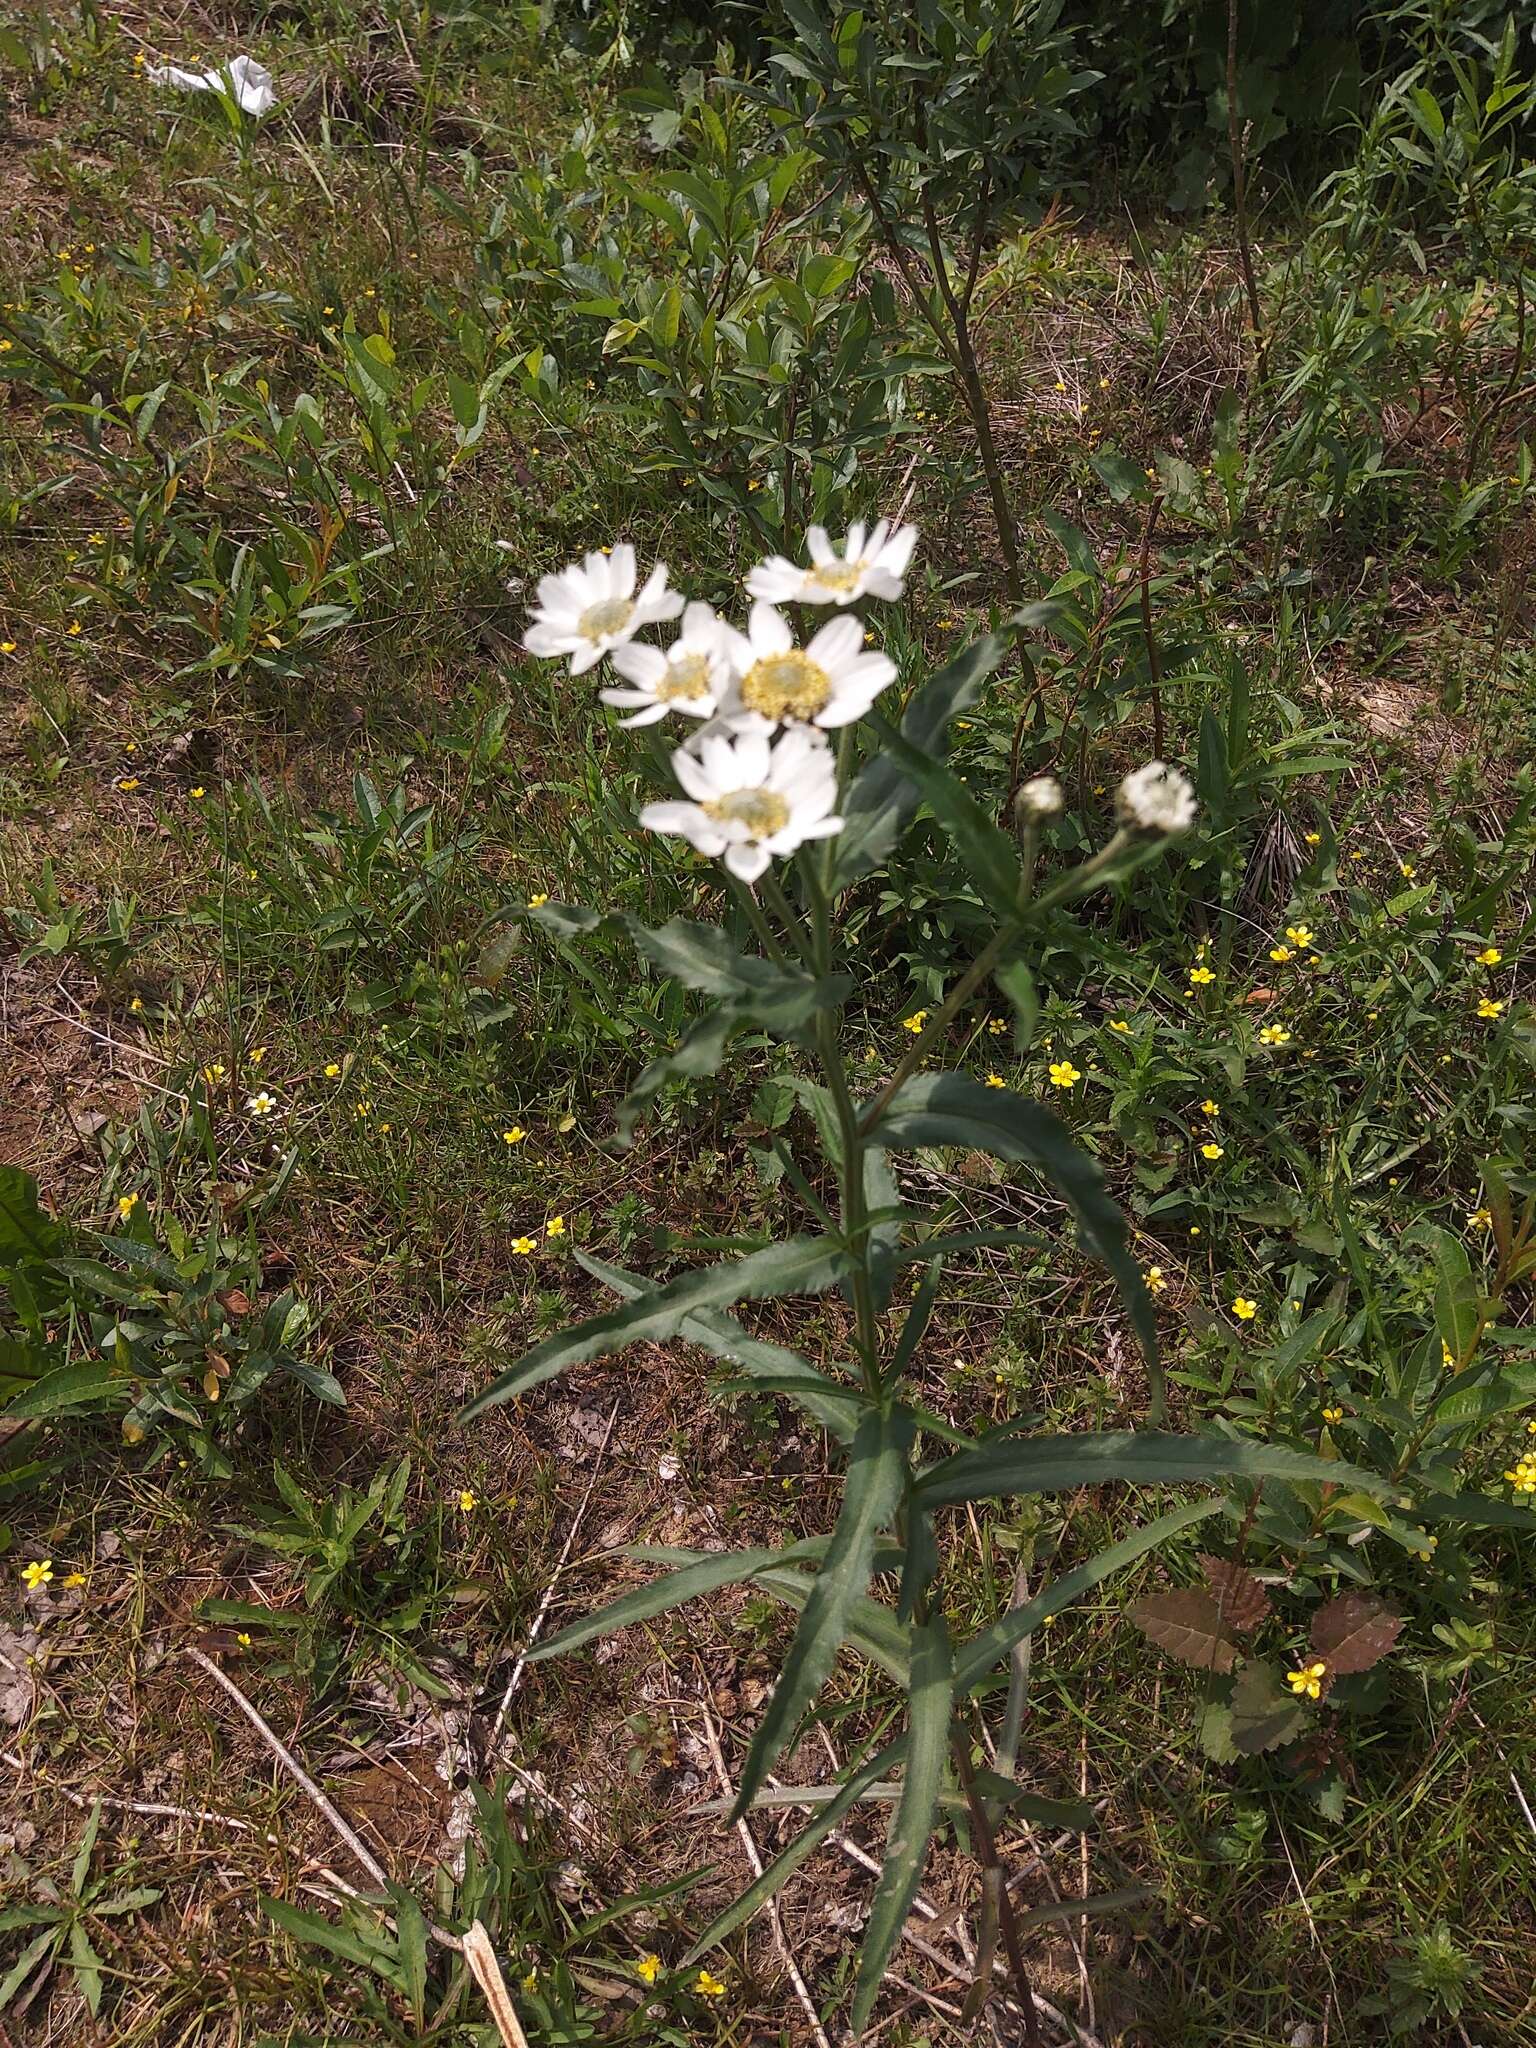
<point>876,1471</point>
<point>906,1848</point>
<point>642,1603</point>
<point>800,1265</point>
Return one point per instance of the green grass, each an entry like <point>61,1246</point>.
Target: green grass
<point>277,803</point>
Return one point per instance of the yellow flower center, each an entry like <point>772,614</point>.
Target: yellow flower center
<point>686,677</point>
<point>611,616</point>
<point>841,576</point>
<point>762,811</point>
<point>788,685</point>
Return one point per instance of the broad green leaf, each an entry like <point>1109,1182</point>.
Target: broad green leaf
<point>323,1933</point>
<point>27,1232</point>
<point>720,1334</point>
<point>800,1265</point>
<point>950,1109</point>
<point>883,799</point>
<point>928,1715</point>
<point>1147,1457</point>
<point>68,1386</point>
<point>763,1888</point>
<point>1456,1297</point>
<point>984,1653</point>
<point>877,1470</point>
<point>1018,985</point>
<point>1263,1713</point>
<point>1476,1511</point>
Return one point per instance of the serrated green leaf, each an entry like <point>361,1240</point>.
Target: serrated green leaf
<point>1264,1713</point>
<point>877,1470</point>
<point>800,1265</point>
<point>699,1052</point>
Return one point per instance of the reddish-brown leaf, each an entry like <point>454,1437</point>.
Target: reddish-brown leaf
<point>1242,1600</point>
<point>1353,1631</point>
<point>1187,1623</point>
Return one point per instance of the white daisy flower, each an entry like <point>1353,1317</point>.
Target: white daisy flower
<point>248,83</point>
<point>591,608</point>
<point>753,799</point>
<point>831,682</point>
<point>871,562</point>
<point>689,676</point>
<point>1157,798</point>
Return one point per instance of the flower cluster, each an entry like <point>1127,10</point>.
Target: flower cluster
<point>758,776</point>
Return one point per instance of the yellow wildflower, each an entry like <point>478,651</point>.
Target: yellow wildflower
<point>38,1574</point>
<point>915,1022</point>
<point>708,1986</point>
<point>73,1580</point>
<point>555,1227</point>
<point>515,1136</point>
<point>261,1103</point>
<point>1490,1006</point>
<point>1480,1219</point>
<point>468,1501</point>
<point>1333,1415</point>
<point>128,783</point>
<point>1244,1309</point>
<point>538,902</point>
<point>1213,1151</point>
<point>1299,935</point>
<point>1201,975</point>
<point>126,1204</point>
<point>1490,956</point>
<point>1063,1074</point>
<point>1210,1108</point>
<point>524,1245</point>
<point>648,1969</point>
<point>1281,954</point>
<point>1157,1280</point>
<point>1308,1681</point>
<point>996,1081</point>
<point>1118,1024</point>
<point>1274,1034</point>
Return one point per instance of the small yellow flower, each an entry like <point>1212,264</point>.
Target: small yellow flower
<point>707,1986</point>
<point>996,1081</point>
<point>1490,1006</point>
<point>1357,854</point>
<point>1299,935</point>
<point>524,1245</point>
<point>1308,1681</point>
<point>1118,1024</point>
<point>7,646</point>
<point>136,1006</point>
<point>38,1574</point>
<point>243,1639</point>
<point>1063,1074</point>
<point>996,1026</point>
<point>1333,1415</point>
<point>126,1204</point>
<point>915,1022</point>
<point>73,1580</point>
<point>198,791</point>
<point>362,1106</point>
<point>1447,1355</point>
<point>1480,1219</point>
<point>1314,838</point>
<point>1210,1108</point>
<point>1244,1309</point>
<point>468,1501</point>
<point>1213,1151</point>
<point>648,1969</point>
<point>261,1103</point>
<point>332,1069</point>
<point>128,783</point>
<point>75,629</point>
<point>1274,1034</point>
<point>256,1055</point>
<point>1201,975</point>
<point>515,1136</point>
<point>1281,954</point>
<point>538,902</point>
<point>1157,1280</point>
<point>555,1227</point>
<point>1490,956</point>
<point>1407,870</point>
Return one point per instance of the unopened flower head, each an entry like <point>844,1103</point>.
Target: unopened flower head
<point>590,608</point>
<point>1041,797</point>
<point>689,676</point>
<point>752,800</point>
<point>873,563</point>
<point>829,682</point>
<point>1157,798</point>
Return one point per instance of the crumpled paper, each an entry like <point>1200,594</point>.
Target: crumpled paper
<point>249,82</point>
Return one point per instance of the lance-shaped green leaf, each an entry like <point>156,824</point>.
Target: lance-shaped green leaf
<point>784,1865</point>
<point>949,1109</point>
<point>67,1386</point>
<point>721,1335</point>
<point>877,1468</point>
<point>986,852</point>
<point>800,1265</point>
<point>1475,1511</point>
<point>1147,1457</point>
<point>906,1848</point>
<point>698,1052</point>
<point>642,1603</point>
<point>1018,985</point>
<point>982,1656</point>
<point>884,798</point>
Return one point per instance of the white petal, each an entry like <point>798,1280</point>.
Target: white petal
<point>897,552</point>
<point>547,640</point>
<point>768,631</point>
<point>586,654</point>
<point>747,861</point>
<point>622,569</point>
<point>776,581</point>
<point>818,546</point>
<point>692,774</point>
<point>640,663</point>
<point>837,645</point>
<point>753,759</point>
<point>700,625</point>
<point>855,546</point>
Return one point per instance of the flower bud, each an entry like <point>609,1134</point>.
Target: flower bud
<point>1041,797</point>
<point>1156,799</point>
